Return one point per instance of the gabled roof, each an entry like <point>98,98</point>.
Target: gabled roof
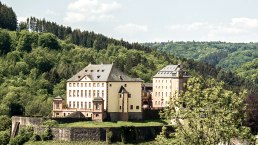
<point>102,72</point>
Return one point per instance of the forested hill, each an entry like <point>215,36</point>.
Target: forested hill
<point>241,58</point>
<point>35,64</point>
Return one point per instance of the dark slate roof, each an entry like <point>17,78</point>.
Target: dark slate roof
<point>102,72</point>
<point>168,71</point>
<point>98,99</point>
<point>76,114</point>
<point>58,98</point>
<point>148,84</point>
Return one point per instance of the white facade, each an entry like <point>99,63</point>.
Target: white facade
<point>167,83</point>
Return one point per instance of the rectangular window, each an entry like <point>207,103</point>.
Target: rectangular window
<point>102,93</point>
<point>70,84</point>
<point>85,84</point>
<point>74,84</point>
<point>85,93</point>
<point>70,93</point>
<point>81,93</point>
<point>120,107</point>
<point>74,104</point>
<point>131,107</point>
<point>125,85</point>
<point>89,84</point>
<point>85,105</point>
<point>89,105</point>
<point>77,84</point>
<point>110,85</point>
<point>94,93</point>
<point>102,84</point>
<point>81,84</point>
<point>78,92</point>
<point>94,84</point>
<point>78,105</point>
<point>97,93</point>
<point>81,104</point>
<point>89,93</point>
<point>137,107</point>
<point>129,95</point>
<point>70,104</point>
<point>73,93</point>
<point>98,84</point>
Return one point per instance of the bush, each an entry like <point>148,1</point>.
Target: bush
<point>4,137</point>
<point>47,134</point>
<point>5,123</point>
<point>50,123</point>
<point>35,137</point>
<point>24,135</point>
<point>48,40</point>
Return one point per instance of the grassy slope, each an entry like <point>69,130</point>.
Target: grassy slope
<point>115,124</point>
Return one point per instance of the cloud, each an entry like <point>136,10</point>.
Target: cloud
<point>236,28</point>
<point>91,10</point>
<point>21,19</point>
<point>131,28</point>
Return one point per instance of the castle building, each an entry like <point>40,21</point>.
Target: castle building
<point>101,92</point>
<point>168,82</point>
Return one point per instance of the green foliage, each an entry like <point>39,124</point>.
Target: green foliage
<point>236,57</point>
<point>47,134</point>
<point>5,42</point>
<point>207,114</point>
<point>4,137</point>
<point>5,123</point>
<point>48,40</point>
<point>24,135</point>
<point>8,18</point>
<point>50,123</point>
<point>35,137</point>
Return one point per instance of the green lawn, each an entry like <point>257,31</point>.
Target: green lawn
<point>79,143</point>
<point>115,124</point>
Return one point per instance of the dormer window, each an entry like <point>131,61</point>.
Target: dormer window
<point>98,77</point>
<point>86,70</point>
<point>79,76</point>
<point>103,70</point>
<point>91,70</point>
<point>97,70</point>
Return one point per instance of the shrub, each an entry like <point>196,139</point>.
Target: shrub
<point>5,123</point>
<point>35,137</point>
<point>4,137</point>
<point>24,135</point>
<point>47,134</point>
<point>50,123</point>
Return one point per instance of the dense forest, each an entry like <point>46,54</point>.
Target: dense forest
<point>241,58</point>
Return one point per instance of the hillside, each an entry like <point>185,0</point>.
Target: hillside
<point>34,68</point>
<point>241,58</point>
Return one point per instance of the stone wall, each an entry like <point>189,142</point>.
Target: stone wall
<point>26,121</point>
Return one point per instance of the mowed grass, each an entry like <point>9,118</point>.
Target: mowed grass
<point>115,124</point>
<point>80,143</point>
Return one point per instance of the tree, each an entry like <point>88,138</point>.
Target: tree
<point>5,42</point>
<point>48,40</point>
<point>207,114</point>
<point>8,18</point>
<point>5,123</point>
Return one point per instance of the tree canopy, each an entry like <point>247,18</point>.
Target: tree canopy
<point>206,113</point>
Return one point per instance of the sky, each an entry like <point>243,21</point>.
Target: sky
<point>150,20</point>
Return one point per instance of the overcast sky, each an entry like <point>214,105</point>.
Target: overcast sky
<point>151,20</point>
